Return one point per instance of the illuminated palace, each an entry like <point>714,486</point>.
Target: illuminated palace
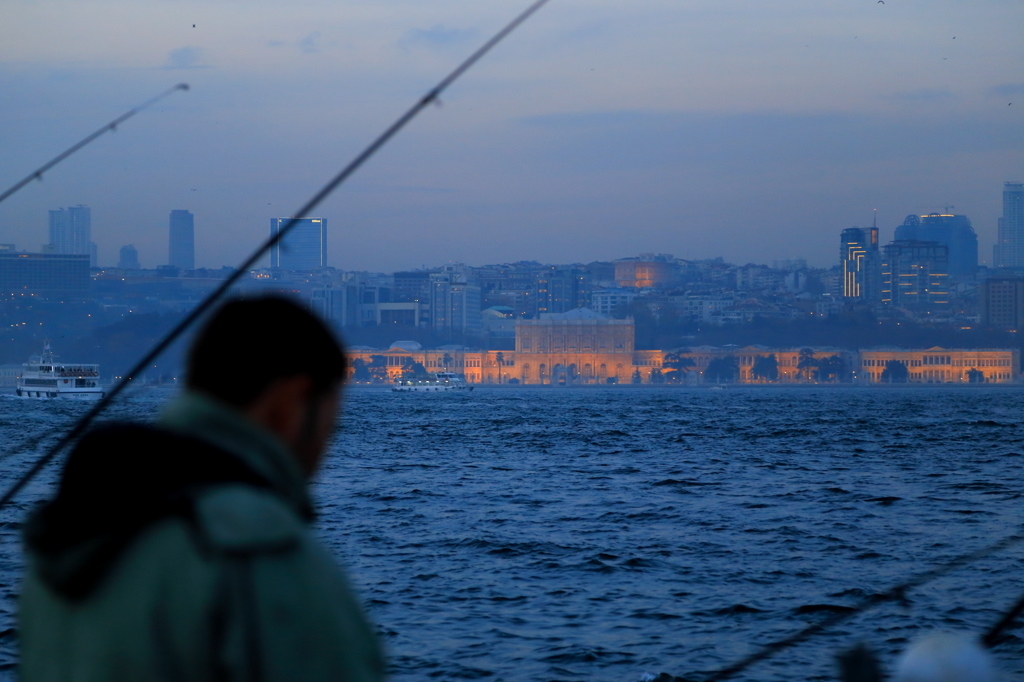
<point>577,347</point>
<point>943,366</point>
<point>582,347</point>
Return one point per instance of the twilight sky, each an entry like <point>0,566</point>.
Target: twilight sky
<point>737,128</point>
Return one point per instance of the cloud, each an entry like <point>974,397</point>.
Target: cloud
<point>184,58</point>
<point>439,36</point>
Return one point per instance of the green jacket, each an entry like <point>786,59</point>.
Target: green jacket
<point>184,553</point>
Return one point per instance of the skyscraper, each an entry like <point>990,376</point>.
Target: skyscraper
<point>955,231</point>
<point>1008,251</point>
<point>561,288</point>
<point>454,301</point>
<point>1001,301</point>
<point>304,247</point>
<point>129,259</point>
<point>59,274</point>
<point>181,250</point>
<point>861,261</point>
<point>71,232</point>
<point>915,276</point>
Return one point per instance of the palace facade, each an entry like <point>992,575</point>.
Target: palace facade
<point>582,348</point>
<point>944,366</point>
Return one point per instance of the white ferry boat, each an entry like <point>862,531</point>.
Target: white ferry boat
<point>442,381</point>
<point>43,376</point>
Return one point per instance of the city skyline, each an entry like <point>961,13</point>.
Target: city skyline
<point>310,241</point>
<point>738,129</point>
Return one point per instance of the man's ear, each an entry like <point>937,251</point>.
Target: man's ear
<point>282,407</point>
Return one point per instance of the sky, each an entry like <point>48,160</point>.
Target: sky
<point>598,130</point>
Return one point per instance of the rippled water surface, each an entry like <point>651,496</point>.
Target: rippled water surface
<point>606,534</point>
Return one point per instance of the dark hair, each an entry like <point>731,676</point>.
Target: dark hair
<point>248,344</point>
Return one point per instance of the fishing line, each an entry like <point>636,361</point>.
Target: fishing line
<point>307,208</point>
<point>112,126</point>
<point>991,638</point>
<point>894,594</point>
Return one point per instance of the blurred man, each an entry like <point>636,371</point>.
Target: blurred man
<point>183,551</point>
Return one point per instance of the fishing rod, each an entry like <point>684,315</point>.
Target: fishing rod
<point>112,126</point>
<point>896,593</point>
<point>432,96</point>
<point>991,638</point>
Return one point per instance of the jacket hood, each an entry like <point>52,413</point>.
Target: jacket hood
<point>117,481</point>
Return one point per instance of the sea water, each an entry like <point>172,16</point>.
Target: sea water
<point>617,533</point>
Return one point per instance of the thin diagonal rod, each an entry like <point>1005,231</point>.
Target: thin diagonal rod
<point>79,428</point>
<point>895,593</point>
<point>38,173</point>
<point>991,638</point>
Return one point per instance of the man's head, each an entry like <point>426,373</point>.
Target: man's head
<point>277,363</point>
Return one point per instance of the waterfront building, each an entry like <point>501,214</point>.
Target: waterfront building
<point>387,365</point>
<point>181,241</point>
<point>789,365</point>
<point>572,356</point>
<point>577,347</point>
<point>915,277</point>
<point>303,248</point>
<point>955,231</point>
<point>943,365</point>
<point>70,232</point>
<point>861,264</point>
<point>47,274</point>
<point>798,365</point>
<point>1008,251</point>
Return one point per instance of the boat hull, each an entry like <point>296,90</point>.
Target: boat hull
<point>43,377</point>
<point>429,388</point>
<point>33,393</point>
<point>442,381</point>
